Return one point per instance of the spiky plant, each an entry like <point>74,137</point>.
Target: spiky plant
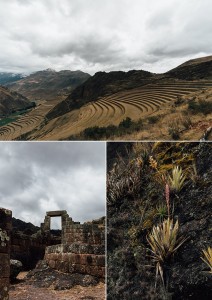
<point>177,179</point>
<point>164,242</point>
<point>208,258</point>
<point>161,211</point>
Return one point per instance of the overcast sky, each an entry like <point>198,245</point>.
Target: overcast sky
<point>39,177</point>
<point>93,35</point>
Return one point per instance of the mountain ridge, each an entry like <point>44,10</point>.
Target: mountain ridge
<point>86,92</point>
<point>48,84</point>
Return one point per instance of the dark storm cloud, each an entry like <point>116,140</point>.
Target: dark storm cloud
<point>94,35</point>
<point>37,177</point>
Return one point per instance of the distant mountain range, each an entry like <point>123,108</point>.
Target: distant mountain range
<point>44,85</point>
<point>7,78</point>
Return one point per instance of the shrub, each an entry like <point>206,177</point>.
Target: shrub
<point>202,106</point>
<point>174,130</point>
<point>94,132</point>
<point>126,123</point>
<point>153,119</point>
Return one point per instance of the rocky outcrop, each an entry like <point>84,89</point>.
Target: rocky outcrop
<point>136,194</point>
<point>44,276</point>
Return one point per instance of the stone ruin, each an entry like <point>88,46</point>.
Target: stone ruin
<point>82,247</point>
<point>5,244</point>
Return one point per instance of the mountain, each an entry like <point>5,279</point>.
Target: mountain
<point>7,78</point>
<point>104,84</point>
<point>11,102</point>
<point>99,85</point>
<point>49,84</point>
<point>134,105</point>
<point>195,69</point>
<point>26,228</point>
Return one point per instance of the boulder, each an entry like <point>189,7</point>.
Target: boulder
<point>15,268</point>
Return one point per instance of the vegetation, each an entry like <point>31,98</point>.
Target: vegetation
<point>164,242</point>
<point>202,106</point>
<point>153,119</point>
<point>126,126</point>
<point>174,130</point>
<point>177,179</point>
<point>149,220</point>
<point>207,258</point>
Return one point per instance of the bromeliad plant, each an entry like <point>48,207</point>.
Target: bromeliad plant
<point>164,242</point>
<point>208,258</point>
<point>177,179</point>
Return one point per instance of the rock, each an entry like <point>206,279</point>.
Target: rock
<point>44,276</point>
<point>15,268</point>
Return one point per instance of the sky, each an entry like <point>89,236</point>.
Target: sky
<point>39,177</point>
<point>98,35</point>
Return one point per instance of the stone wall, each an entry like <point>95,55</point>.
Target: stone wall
<point>5,232</point>
<point>82,249</point>
<point>29,250</point>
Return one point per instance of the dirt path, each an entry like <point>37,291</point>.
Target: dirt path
<point>25,291</point>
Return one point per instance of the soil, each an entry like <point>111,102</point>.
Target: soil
<point>25,290</point>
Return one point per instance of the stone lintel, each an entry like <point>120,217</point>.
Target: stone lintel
<point>57,213</point>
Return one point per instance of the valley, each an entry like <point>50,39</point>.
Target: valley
<point>160,103</point>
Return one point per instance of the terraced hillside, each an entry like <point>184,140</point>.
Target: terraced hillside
<point>109,98</point>
<point>26,123</point>
<point>138,103</point>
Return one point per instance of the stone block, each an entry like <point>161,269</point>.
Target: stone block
<point>4,265</point>
<point>100,260</point>
<point>102,272</point>
<point>63,266</point>
<point>4,288</point>
<point>72,268</point>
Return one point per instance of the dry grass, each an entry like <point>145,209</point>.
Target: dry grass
<point>156,104</point>
<point>207,258</point>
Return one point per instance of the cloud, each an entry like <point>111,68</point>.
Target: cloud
<point>39,177</point>
<point>93,35</point>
